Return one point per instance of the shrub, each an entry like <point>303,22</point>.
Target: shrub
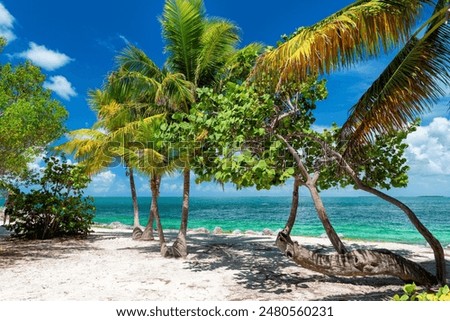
<point>56,208</point>
<point>411,294</point>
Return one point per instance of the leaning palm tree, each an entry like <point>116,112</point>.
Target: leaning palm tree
<point>411,83</point>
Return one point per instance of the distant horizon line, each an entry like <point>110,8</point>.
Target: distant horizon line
<point>274,196</point>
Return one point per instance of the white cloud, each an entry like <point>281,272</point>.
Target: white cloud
<point>102,183</point>
<point>45,58</point>
<point>6,24</point>
<point>61,86</point>
<point>429,148</point>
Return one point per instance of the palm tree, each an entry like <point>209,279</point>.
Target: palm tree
<point>106,143</point>
<point>197,47</point>
<point>155,91</point>
<point>413,81</point>
<point>410,84</point>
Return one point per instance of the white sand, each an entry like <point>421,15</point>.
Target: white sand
<point>109,265</point>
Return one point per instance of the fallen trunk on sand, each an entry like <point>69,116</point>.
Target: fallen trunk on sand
<point>355,263</point>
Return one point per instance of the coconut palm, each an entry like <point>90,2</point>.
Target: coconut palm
<point>106,144</point>
<point>410,85</point>
<point>414,80</point>
<point>156,91</point>
<point>197,47</point>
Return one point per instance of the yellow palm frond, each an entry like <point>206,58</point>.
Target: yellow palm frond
<point>415,79</point>
<point>361,30</point>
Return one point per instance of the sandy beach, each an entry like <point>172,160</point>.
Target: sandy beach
<point>109,265</point>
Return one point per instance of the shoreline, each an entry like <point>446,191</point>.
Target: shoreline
<point>110,266</point>
<point>265,232</point>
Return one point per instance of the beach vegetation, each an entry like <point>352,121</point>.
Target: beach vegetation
<point>411,293</point>
<point>247,116</point>
<point>316,158</point>
<point>198,47</point>
<point>410,85</point>
<point>101,146</point>
<point>257,139</point>
<point>30,118</point>
<point>51,203</point>
<point>160,92</point>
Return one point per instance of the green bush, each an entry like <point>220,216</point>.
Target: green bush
<point>411,294</point>
<point>56,208</point>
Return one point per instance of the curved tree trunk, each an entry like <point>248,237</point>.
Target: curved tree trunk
<point>155,183</point>
<point>134,198</point>
<point>322,213</point>
<point>429,237</point>
<point>179,247</point>
<point>355,263</point>
<point>294,207</point>
<point>147,235</point>
<point>310,183</point>
<point>438,251</point>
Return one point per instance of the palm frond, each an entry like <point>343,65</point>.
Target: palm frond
<point>132,128</point>
<point>175,92</point>
<point>133,59</point>
<point>183,25</point>
<point>416,78</point>
<point>218,41</point>
<point>359,31</point>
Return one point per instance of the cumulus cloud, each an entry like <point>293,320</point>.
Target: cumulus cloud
<point>45,58</point>
<point>6,24</point>
<point>429,148</point>
<point>102,183</point>
<point>61,86</point>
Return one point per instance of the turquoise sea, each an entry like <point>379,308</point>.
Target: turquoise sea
<point>364,218</point>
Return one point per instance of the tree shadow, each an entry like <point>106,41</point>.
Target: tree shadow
<point>261,267</point>
<point>14,251</point>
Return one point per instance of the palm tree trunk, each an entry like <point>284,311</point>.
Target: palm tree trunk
<point>439,255</point>
<point>155,183</point>
<point>148,232</point>
<point>355,263</point>
<point>180,245</point>
<point>294,207</point>
<point>134,198</point>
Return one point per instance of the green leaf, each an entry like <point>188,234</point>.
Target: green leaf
<point>409,288</point>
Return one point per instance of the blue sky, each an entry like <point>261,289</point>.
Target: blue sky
<point>75,42</point>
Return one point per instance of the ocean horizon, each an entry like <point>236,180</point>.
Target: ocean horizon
<point>354,218</point>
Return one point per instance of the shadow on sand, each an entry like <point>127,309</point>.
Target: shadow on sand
<point>258,263</point>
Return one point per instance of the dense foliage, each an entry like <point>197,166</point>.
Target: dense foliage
<point>54,206</point>
<point>235,135</point>
<point>29,117</point>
